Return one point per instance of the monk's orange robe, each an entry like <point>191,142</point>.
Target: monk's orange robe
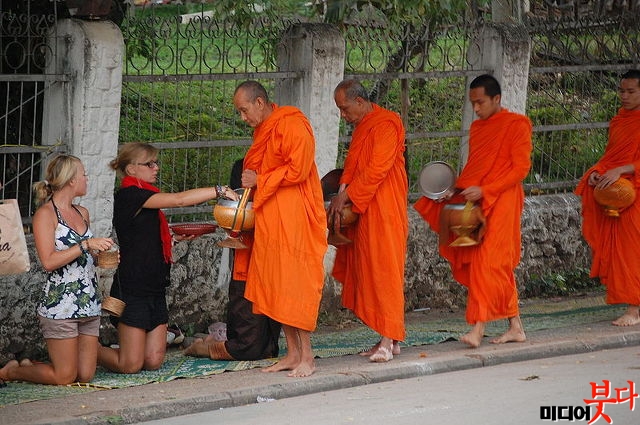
<point>286,271</point>
<point>615,241</point>
<point>499,160</point>
<point>371,269</point>
<point>241,257</point>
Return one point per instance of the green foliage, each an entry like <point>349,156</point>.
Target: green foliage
<point>572,282</point>
<point>566,99</point>
<point>113,420</point>
<point>414,13</point>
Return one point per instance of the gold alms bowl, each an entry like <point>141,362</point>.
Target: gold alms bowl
<point>462,220</point>
<point>231,215</point>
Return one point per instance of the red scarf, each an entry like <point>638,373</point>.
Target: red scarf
<point>165,234</point>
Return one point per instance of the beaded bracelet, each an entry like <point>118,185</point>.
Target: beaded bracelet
<point>220,191</point>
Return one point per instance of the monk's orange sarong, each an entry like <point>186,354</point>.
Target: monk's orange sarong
<point>371,269</point>
<point>499,160</point>
<point>615,241</point>
<point>286,272</point>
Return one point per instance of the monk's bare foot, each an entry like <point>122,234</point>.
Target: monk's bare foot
<point>512,335</point>
<point>198,348</point>
<point>515,333</point>
<point>26,362</point>
<point>287,363</point>
<point>630,318</point>
<point>395,350</point>
<point>4,372</point>
<point>473,338</point>
<point>303,369</point>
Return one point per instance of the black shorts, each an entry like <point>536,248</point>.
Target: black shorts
<point>144,312</point>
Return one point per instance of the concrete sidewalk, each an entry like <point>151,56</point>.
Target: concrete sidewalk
<point>184,396</point>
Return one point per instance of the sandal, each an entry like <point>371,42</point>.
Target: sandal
<point>395,349</point>
<point>382,355</point>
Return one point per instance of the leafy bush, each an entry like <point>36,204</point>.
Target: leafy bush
<point>572,282</point>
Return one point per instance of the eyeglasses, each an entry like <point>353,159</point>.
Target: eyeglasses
<point>149,164</point>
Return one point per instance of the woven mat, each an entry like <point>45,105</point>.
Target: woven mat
<point>331,344</point>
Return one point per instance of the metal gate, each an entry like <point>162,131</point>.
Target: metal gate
<point>27,72</point>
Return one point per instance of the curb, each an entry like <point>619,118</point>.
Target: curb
<point>542,348</point>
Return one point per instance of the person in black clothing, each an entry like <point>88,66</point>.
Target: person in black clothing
<point>145,258</point>
<point>249,336</point>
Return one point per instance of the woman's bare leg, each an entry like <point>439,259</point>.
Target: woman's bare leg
<point>62,370</point>
<point>129,356</point>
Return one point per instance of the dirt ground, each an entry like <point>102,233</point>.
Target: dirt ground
<point>344,319</point>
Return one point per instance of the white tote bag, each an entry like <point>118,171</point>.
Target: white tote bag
<point>14,257</point>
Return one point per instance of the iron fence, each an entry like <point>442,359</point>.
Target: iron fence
<point>26,55</point>
<point>421,74</point>
<point>574,73</point>
<point>179,77</point>
<point>180,73</point>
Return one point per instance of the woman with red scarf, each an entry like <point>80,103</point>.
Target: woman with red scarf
<point>145,258</point>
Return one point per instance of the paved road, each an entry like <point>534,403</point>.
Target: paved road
<point>505,394</point>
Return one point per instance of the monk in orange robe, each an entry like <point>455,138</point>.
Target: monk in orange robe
<point>374,180</point>
<point>286,271</point>
<point>499,160</point>
<point>615,241</point>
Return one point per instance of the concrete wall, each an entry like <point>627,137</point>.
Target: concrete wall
<point>551,243</point>
<point>85,112</point>
<point>317,52</point>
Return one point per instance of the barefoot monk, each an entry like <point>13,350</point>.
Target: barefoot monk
<point>286,271</point>
<point>374,181</point>
<point>499,160</point>
<point>615,241</point>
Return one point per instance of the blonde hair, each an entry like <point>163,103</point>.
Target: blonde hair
<point>129,152</point>
<point>60,171</point>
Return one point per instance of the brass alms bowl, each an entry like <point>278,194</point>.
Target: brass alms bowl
<point>462,220</point>
<point>232,215</point>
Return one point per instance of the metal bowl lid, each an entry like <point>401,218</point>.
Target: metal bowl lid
<point>331,183</point>
<point>436,178</point>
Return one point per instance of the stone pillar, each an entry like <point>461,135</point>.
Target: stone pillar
<point>84,113</point>
<point>317,52</point>
<point>503,50</point>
